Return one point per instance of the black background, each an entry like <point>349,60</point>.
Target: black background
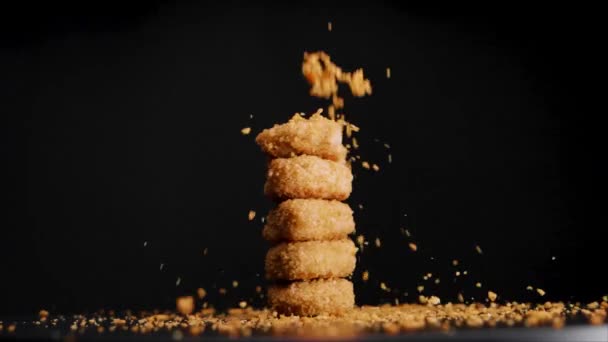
<point>121,125</point>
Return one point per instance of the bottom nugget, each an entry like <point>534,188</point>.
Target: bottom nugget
<point>310,298</point>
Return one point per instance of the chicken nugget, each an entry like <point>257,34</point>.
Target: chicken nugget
<point>308,177</point>
<point>315,297</point>
<point>311,260</point>
<point>317,136</point>
<point>309,219</point>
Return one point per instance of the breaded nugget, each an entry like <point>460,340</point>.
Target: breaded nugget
<point>309,219</point>
<point>311,260</point>
<point>315,297</point>
<point>308,177</point>
<point>317,136</point>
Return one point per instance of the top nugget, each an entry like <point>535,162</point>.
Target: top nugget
<point>316,136</point>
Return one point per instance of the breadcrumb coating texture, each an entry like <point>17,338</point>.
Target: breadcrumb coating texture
<point>310,298</point>
<point>316,136</point>
<point>309,219</point>
<point>310,260</point>
<point>308,177</point>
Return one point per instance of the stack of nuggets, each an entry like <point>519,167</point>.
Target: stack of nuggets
<point>311,254</point>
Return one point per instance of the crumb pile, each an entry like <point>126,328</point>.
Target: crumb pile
<point>358,321</point>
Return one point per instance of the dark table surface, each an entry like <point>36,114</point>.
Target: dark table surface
<point>579,333</point>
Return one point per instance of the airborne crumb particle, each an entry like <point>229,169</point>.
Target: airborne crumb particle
<point>185,305</point>
<point>434,300</point>
<point>361,240</point>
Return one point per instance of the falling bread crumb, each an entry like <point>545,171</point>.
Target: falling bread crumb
<point>185,305</point>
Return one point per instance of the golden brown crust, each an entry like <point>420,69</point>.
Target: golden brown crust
<point>316,136</point>
<point>310,260</point>
<point>310,298</point>
<point>309,219</point>
<point>308,177</point>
